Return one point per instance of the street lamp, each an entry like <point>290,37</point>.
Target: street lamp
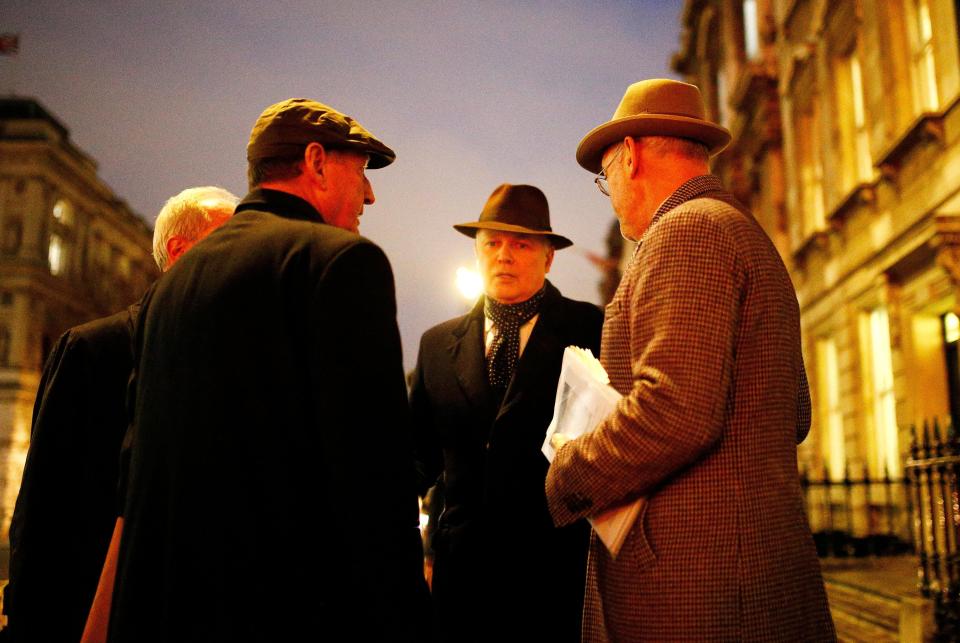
<point>469,284</point>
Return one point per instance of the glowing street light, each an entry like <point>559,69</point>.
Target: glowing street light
<point>469,283</point>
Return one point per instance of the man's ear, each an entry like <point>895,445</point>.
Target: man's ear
<point>315,161</point>
<point>176,246</point>
<point>631,156</point>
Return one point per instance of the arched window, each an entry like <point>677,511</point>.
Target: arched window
<point>63,212</point>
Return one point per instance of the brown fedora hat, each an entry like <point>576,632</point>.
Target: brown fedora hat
<point>657,107</point>
<point>516,208</point>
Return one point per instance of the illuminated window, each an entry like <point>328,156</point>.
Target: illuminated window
<point>864,162</point>
<point>924,68</point>
<point>831,414</point>
<point>810,168</point>
<point>751,29</point>
<point>951,328</point>
<point>951,349</point>
<point>856,166</point>
<point>55,254</point>
<point>881,396</point>
<point>723,109</point>
<point>62,212</point>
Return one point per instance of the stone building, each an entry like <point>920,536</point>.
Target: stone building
<point>70,251</point>
<point>846,146</point>
<point>847,149</point>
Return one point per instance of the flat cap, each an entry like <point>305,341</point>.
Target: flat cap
<point>285,127</point>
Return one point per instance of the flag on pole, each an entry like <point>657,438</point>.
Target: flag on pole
<point>9,44</point>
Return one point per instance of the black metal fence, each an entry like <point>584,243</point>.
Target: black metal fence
<point>933,471</point>
<point>859,515</point>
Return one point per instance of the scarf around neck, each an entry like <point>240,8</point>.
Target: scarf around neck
<point>505,348</point>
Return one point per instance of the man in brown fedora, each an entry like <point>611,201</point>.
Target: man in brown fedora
<point>703,340</point>
<point>482,397</point>
<point>270,493</point>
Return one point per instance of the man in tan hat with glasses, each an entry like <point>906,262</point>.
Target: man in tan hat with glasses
<point>703,340</point>
<point>271,492</point>
<point>482,397</point>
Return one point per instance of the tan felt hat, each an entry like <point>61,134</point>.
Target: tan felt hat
<point>516,208</point>
<point>656,107</point>
<point>284,128</point>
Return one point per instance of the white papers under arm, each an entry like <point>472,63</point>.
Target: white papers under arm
<point>584,399</point>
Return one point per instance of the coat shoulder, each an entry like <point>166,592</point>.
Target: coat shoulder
<point>443,330</point>
<point>114,330</point>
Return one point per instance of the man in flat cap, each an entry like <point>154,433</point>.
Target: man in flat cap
<point>482,396</point>
<point>271,491</point>
<point>702,338</point>
<point>67,505</point>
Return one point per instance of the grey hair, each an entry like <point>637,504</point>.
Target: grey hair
<point>187,215</point>
<point>683,147</point>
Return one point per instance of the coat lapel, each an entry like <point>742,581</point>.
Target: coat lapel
<point>466,350</point>
<point>544,343</point>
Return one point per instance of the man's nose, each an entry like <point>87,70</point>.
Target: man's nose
<point>368,197</point>
<point>505,254</point>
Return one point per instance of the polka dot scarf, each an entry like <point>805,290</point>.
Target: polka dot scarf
<point>505,349</point>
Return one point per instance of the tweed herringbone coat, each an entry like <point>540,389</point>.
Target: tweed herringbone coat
<point>703,340</point>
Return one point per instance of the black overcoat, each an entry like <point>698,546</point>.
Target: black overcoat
<point>501,570</point>
<point>67,504</point>
<point>271,493</point>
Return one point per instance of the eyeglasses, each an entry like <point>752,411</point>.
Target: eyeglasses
<point>601,179</point>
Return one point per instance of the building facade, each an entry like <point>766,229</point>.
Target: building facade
<point>847,148</point>
<point>70,251</point>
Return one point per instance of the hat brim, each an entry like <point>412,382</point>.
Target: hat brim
<point>470,229</point>
<point>378,156</point>
<point>593,145</point>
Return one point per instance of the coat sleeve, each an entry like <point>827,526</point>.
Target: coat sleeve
<point>686,301</point>
<point>55,401</point>
<point>803,405</point>
<point>366,458</point>
<point>428,454</point>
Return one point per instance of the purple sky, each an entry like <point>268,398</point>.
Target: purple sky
<point>470,94</point>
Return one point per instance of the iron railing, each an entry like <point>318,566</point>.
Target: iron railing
<point>933,471</point>
<point>859,515</point>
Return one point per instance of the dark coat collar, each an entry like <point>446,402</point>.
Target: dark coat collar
<point>467,351</point>
<point>282,204</point>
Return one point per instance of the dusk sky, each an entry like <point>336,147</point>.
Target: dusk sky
<point>470,95</point>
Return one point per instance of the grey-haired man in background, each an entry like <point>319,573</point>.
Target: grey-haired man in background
<point>67,503</point>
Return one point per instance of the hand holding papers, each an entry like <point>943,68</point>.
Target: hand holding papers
<point>584,399</point>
